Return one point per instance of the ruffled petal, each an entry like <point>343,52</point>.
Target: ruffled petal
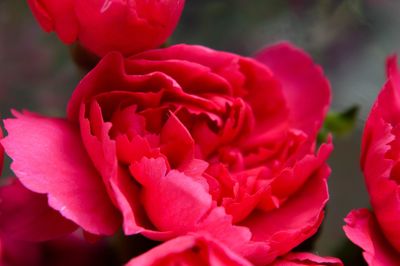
<point>295,221</point>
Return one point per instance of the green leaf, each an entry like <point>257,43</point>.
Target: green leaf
<point>339,124</point>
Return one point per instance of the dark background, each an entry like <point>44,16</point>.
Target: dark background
<point>349,38</point>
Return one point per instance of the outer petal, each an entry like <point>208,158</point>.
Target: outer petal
<point>304,259</point>
<point>92,84</point>
<point>298,219</point>
<point>190,250</point>
<point>56,16</point>
<point>306,88</point>
<point>126,26</point>
<point>363,230</point>
<point>49,158</point>
<point>379,161</point>
<point>26,215</point>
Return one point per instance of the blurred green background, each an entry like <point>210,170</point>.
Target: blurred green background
<point>349,38</point>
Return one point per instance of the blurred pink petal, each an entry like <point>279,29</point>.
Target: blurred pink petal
<point>26,215</point>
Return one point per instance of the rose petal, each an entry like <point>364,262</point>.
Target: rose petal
<point>129,27</point>
<point>26,215</point>
<point>295,221</point>
<point>300,78</point>
<point>247,77</point>
<point>304,259</point>
<point>177,143</point>
<point>58,16</point>
<point>184,201</point>
<point>363,229</point>
<point>110,75</point>
<point>49,158</point>
<point>195,78</point>
<point>190,250</point>
<point>127,196</point>
<point>293,178</point>
<point>218,224</point>
<point>380,151</point>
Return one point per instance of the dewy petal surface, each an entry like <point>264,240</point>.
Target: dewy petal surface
<point>49,158</point>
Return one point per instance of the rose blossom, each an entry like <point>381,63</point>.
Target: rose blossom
<point>186,139</point>
<point>112,25</point>
<point>206,251</point>
<point>378,232</point>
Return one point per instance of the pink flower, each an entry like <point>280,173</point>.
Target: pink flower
<point>187,139</point>
<point>378,233</point>
<point>206,251</point>
<point>102,26</point>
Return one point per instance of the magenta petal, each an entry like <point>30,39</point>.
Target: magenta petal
<point>49,158</point>
<point>173,201</point>
<point>1,154</point>
<point>295,221</point>
<point>178,144</point>
<point>190,250</point>
<point>379,161</point>
<point>126,193</point>
<point>219,225</point>
<point>299,77</point>
<point>304,259</point>
<point>96,82</point>
<point>57,16</point>
<point>26,215</point>
<point>363,230</point>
